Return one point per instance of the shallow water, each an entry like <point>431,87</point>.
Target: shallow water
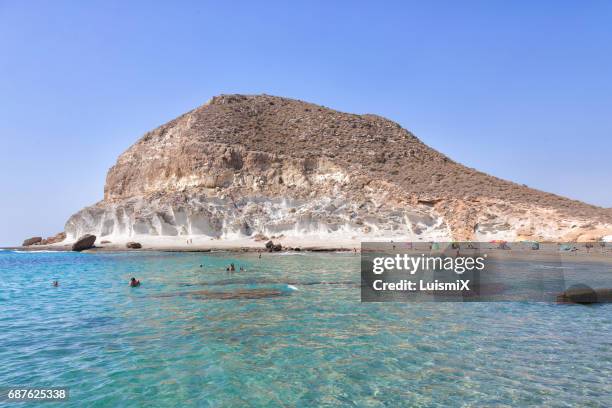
<point>192,336</point>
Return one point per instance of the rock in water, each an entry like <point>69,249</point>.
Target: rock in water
<point>133,245</point>
<point>85,242</point>
<point>252,166</point>
<point>585,295</point>
<point>32,241</point>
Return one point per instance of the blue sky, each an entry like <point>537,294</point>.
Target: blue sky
<point>521,90</point>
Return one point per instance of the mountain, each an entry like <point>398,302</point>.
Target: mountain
<point>244,166</point>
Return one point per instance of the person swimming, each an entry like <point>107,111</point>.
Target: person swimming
<point>232,268</point>
<point>134,283</point>
<point>55,283</point>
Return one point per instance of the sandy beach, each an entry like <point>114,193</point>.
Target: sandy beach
<point>548,252</point>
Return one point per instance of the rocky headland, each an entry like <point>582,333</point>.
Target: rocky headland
<point>248,168</point>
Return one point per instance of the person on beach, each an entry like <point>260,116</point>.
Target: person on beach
<point>134,283</point>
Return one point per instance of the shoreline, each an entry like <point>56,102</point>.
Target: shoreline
<point>117,248</point>
<point>548,253</point>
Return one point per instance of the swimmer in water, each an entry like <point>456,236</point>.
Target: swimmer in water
<point>232,268</point>
<point>55,283</point>
<point>134,283</point>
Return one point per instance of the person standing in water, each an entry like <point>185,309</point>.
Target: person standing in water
<point>134,283</point>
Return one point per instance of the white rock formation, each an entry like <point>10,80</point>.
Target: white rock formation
<point>240,166</point>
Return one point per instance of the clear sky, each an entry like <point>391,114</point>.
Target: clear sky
<point>519,89</point>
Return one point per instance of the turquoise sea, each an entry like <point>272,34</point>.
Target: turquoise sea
<point>294,333</point>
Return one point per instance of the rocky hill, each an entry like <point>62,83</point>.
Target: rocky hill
<point>245,166</point>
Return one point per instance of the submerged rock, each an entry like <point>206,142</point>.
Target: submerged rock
<point>236,294</point>
<point>83,243</point>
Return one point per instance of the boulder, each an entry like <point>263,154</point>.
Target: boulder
<point>259,237</point>
<point>133,245</point>
<point>585,295</point>
<point>85,242</point>
<point>32,241</point>
<point>59,237</point>
<point>272,247</point>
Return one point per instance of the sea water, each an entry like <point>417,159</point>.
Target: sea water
<point>291,332</point>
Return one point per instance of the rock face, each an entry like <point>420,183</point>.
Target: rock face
<point>32,241</point>
<point>252,166</point>
<point>83,243</point>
